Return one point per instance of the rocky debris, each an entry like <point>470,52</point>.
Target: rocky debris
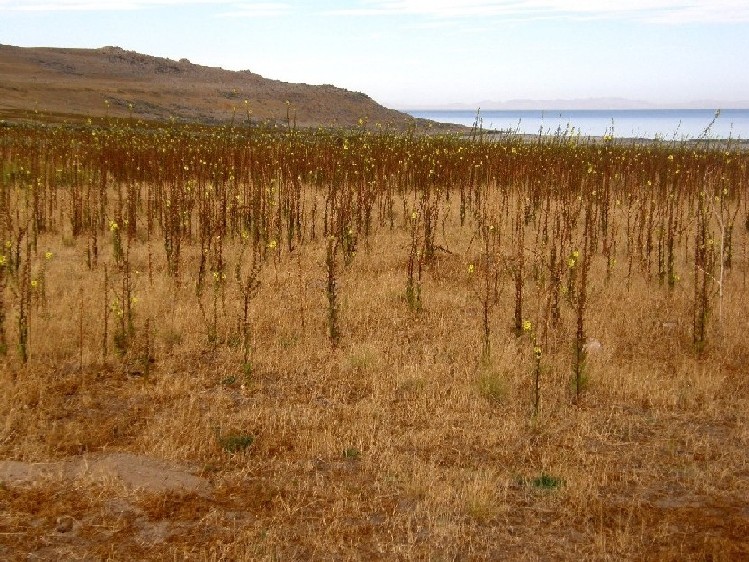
<point>592,346</point>
<point>64,524</point>
<point>136,472</point>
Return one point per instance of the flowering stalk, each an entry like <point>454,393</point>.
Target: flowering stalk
<point>105,336</point>
<point>3,340</point>
<point>114,228</point>
<point>24,305</point>
<point>332,292</point>
<point>704,264</point>
<point>528,328</point>
<point>415,263</point>
<point>249,287</point>
<point>579,353</point>
<point>519,269</point>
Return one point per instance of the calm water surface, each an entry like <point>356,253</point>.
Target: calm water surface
<point>667,124</point>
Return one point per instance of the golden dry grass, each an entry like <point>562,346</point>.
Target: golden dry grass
<point>399,444</point>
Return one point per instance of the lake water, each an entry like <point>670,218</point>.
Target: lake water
<point>667,124</point>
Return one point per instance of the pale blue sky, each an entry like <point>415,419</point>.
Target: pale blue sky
<point>408,53</point>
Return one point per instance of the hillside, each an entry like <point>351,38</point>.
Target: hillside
<point>76,83</point>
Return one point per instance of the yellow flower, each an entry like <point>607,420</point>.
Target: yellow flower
<point>113,226</point>
<point>3,260</point>
<point>34,283</point>
<point>272,244</point>
<point>537,352</point>
<point>471,268</point>
<point>527,326</point>
<point>48,255</point>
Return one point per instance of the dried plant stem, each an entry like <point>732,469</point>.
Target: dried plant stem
<point>334,330</point>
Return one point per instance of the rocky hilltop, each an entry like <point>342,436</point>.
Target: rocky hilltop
<point>79,83</point>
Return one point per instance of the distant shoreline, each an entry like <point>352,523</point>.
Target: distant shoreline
<point>663,124</point>
<point>568,109</point>
<point>709,142</point>
<point>593,104</point>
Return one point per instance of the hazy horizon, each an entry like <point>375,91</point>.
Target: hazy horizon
<point>589,104</point>
<point>430,53</point>
<point>649,123</point>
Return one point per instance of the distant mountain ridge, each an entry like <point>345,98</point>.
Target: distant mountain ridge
<point>77,83</point>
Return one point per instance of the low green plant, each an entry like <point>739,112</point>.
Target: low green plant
<point>352,453</point>
<point>544,482</point>
<point>235,442</point>
<point>547,482</point>
<point>492,385</point>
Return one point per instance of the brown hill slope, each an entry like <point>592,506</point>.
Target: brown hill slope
<point>75,83</point>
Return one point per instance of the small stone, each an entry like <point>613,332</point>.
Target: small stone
<point>64,524</point>
<point>592,346</point>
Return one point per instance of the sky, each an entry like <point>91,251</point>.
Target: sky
<point>427,53</point>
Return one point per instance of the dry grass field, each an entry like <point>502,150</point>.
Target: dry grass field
<point>250,345</point>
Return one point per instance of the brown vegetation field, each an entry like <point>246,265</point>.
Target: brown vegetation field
<point>247,343</point>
